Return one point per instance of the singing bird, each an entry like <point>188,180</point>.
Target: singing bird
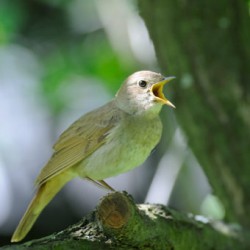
<point>105,142</point>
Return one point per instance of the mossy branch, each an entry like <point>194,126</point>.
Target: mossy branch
<point>118,223</point>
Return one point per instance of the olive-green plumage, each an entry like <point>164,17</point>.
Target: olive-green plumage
<point>105,142</point>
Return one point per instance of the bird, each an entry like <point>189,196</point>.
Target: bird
<point>105,142</point>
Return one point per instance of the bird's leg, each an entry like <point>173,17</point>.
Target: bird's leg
<point>101,183</point>
<point>106,185</point>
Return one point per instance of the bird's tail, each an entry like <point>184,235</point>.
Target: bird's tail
<point>43,196</point>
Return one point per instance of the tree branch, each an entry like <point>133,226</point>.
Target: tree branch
<point>118,223</point>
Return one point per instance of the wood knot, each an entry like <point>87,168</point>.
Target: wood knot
<point>113,211</point>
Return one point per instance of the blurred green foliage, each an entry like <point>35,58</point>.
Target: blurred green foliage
<point>44,28</point>
<point>12,17</point>
<point>92,57</point>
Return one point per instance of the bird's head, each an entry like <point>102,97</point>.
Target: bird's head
<point>142,92</point>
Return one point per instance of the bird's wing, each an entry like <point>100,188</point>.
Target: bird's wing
<point>81,139</point>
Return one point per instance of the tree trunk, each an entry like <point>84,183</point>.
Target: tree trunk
<point>206,45</point>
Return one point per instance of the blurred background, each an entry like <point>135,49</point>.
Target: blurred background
<point>58,60</point>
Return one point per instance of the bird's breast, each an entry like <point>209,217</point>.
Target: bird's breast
<point>127,146</point>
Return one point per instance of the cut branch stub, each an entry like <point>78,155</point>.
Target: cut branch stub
<point>114,211</point>
<point>120,219</point>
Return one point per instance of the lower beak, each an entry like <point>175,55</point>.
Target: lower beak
<point>157,90</point>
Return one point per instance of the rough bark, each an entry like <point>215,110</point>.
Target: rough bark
<point>206,45</point>
<point>118,223</point>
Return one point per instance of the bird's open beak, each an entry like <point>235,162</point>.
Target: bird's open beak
<point>157,90</point>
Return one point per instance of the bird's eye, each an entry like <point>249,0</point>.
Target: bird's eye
<point>142,83</point>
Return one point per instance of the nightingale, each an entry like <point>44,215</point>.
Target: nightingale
<point>105,142</point>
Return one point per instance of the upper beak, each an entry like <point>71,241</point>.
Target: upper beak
<point>157,90</point>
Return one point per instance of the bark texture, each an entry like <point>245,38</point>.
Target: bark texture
<point>118,223</point>
<point>206,45</point>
